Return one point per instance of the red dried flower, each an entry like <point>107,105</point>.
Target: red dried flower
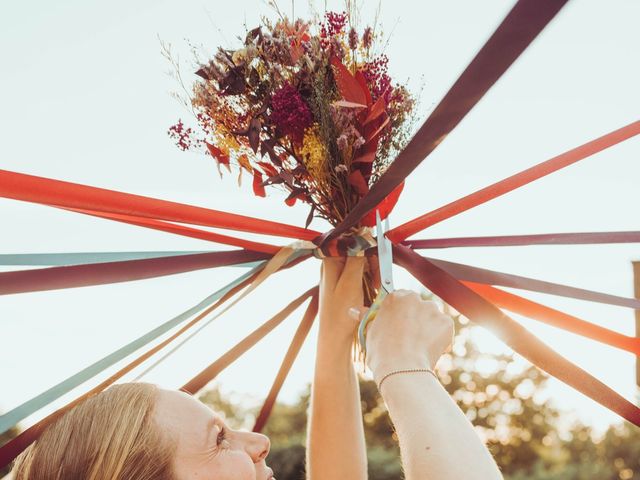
<point>182,136</point>
<point>353,39</point>
<point>367,38</point>
<point>334,23</point>
<point>378,80</point>
<point>290,113</point>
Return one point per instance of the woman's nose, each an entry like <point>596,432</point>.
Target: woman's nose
<point>257,446</point>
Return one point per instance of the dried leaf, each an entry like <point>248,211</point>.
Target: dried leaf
<point>346,104</point>
<point>258,188</point>
<point>367,157</point>
<point>243,161</point>
<point>356,179</point>
<point>233,83</point>
<point>268,147</point>
<point>348,86</point>
<point>310,217</point>
<point>254,134</point>
<point>365,88</point>
<point>287,177</point>
<point>264,148</point>
<point>294,195</point>
<point>268,168</point>
<point>376,110</point>
<point>252,35</point>
<point>379,130</point>
<point>274,180</point>
<point>202,72</point>
<point>218,154</point>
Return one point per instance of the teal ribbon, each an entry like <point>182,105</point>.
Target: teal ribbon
<point>204,325</point>
<point>79,258</point>
<point>11,418</point>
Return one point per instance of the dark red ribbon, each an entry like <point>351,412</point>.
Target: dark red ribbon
<point>484,313</point>
<point>490,277</point>
<point>584,238</point>
<point>519,28</point>
<point>74,276</point>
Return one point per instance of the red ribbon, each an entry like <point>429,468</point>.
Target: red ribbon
<point>182,230</point>
<point>515,181</point>
<point>556,318</point>
<point>485,313</point>
<point>57,193</point>
<point>198,382</point>
<point>287,362</point>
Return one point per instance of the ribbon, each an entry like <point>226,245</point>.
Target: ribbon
<point>54,278</point>
<point>490,277</point>
<point>556,318</point>
<point>181,230</point>
<point>354,243</point>
<point>271,267</point>
<point>519,28</point>
<point>79,258</point>
<point>14,447</point>
<point>198,382</point>
<point>484,313</point>
<point>585,238</point>
<point>515,181</point>
<point>11,418</point>
<point>287,362</point>
<point>57,193</point>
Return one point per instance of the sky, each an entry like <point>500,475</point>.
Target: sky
<point>86,98</point>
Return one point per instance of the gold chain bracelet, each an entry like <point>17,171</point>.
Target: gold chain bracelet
<point>411,370</point>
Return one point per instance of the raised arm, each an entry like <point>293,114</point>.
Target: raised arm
<point>335,438</point>
<point>436,438</point>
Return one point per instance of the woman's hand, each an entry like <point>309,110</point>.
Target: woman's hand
<point>335,439</point>
<point>436,439</point>
<point>340,289</point>
<point>407,333</point>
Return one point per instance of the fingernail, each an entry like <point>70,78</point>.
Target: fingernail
<point>354,313</point>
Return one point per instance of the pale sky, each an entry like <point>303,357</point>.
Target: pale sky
<point>85,98</point>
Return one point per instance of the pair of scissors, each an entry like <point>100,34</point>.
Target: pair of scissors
<point>385,262</point>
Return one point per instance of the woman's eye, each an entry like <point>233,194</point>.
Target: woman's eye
<point>221,436</point>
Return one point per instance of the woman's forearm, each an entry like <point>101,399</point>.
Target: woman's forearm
<point>335,436</point>
<point>436,438</point>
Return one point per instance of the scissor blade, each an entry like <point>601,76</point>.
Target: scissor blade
<point>385,258</point>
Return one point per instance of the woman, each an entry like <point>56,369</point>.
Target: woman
<point>141,432</point>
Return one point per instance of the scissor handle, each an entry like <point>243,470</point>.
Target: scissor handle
<point>368,317</point>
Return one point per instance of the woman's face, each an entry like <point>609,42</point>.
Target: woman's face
<point>206,448</point>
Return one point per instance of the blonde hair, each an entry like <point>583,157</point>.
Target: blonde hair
<point>107,437</point>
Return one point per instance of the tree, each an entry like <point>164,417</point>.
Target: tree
<point>501,404</point>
